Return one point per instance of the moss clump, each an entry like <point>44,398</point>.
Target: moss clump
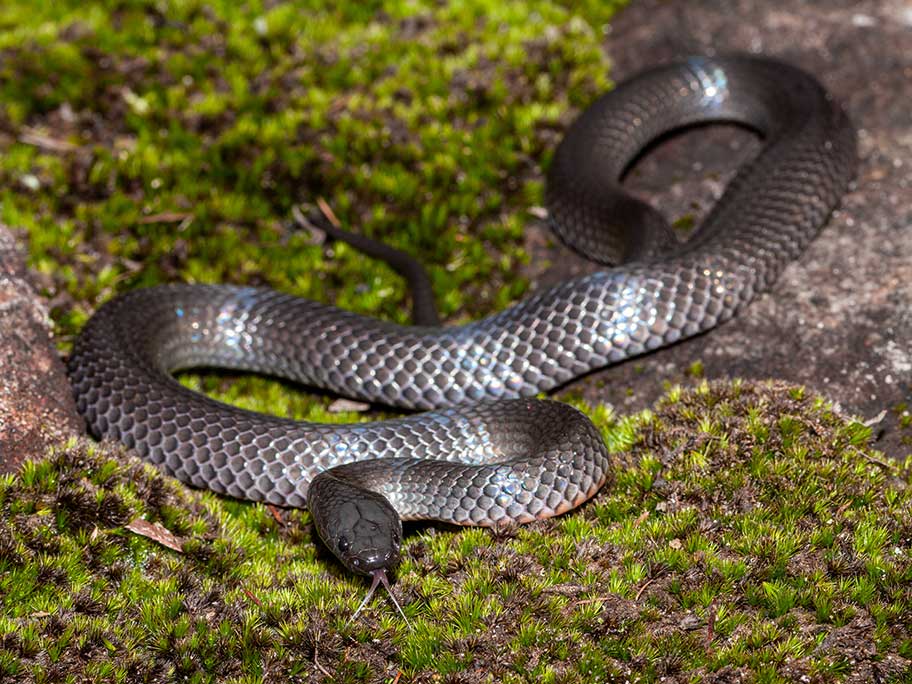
<point>749,534</point>
<point>147,142</point>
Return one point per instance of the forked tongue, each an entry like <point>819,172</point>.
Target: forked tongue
<point>379,576</point>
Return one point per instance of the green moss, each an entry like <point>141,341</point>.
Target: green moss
<point>185,134</point>
<point>155,143</point>
<point>748,532</point>
<point>783,552</point>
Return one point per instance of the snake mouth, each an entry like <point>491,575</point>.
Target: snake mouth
<point>371,560</point>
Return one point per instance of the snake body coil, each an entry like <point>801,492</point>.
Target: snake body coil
<point>487,454</point>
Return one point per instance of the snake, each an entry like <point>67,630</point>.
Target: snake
<point>474,446</point>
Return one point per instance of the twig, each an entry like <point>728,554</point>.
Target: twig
<point>276,514</point>
<point>711,624</point>
<point>877,461</point>
<point>34,137</point>
<point>328,213</point>
<point>317,662</point>
<point>597,599</point>
<point>317,234</point>
<point>166,217</point>
<point>642,589</point>
<point>252,597</point>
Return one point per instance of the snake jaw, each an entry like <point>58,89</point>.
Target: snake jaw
<point>366,561</point>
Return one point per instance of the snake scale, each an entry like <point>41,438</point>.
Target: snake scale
<point>485,453</point>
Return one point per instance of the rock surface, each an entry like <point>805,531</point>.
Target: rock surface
<point>36,404</point>
<point>840,319</point>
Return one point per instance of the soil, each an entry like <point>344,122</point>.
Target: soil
<point>839,319</point>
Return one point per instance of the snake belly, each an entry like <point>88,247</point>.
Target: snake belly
<point>485,453</point>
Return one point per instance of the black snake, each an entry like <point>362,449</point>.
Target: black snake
<point>487,453</point>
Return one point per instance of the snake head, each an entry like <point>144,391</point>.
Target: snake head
<point>367,536</point>
<point>359,526</point>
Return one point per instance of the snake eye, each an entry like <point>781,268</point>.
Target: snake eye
<point>343,544</point>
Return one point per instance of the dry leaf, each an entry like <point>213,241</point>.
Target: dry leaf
<point>156,532</point>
